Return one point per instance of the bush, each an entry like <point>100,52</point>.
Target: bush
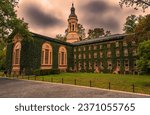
<point>41,72</point>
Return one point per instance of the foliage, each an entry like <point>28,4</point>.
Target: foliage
<point>130,25</point>
<point>144,57</point>
<point>2,56</point>
<point>144,4</point>
<point>97,32</point>
<point>9,21</point>
<point>143,24</point>
<point>41,72</point>
<point>81,32</point>
<point>61,37</point>
<point>142,30</point>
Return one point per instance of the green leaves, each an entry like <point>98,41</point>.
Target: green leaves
<point>144,57</point>
<point>130,25</point>
<point>9,22</point>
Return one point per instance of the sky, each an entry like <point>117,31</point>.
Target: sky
<point>49,17</point>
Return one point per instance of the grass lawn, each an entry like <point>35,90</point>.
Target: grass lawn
<point>117,82</point>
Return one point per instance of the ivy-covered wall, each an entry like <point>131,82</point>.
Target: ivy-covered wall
<point>102,47</point>
<point>30,55</point>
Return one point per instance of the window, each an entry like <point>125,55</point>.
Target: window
<point>79,49</point>
<point>118,63</point>
<point>74,56</point>
<point>46,56</point>
<point>84,48</point>
<point>126,62</point>
<point>117,53</point>
<point>89,56</point>
<point>117,44</point>
<point>108,53</point>
<point>95,55</point>
<point>124,43</point>
<point>16,54</point>
<point>95,47</point>
<point>101,54</point>
<point>126,52</point>
<point>89,47</point>
<point>62,56</point>
<point>79,56</point>
<point>134,53</point>
<point>84,56</point>
<point>108,46</point>
<point>100,46</point>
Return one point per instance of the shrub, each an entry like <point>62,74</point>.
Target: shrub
<point>41,72</point>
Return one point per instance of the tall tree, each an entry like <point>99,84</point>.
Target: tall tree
<point>143,62</point>
<point>130,25</point>
<point>81,32</point>
<point>9,22</point>
<point>95,33</point>
<point>144,4</point>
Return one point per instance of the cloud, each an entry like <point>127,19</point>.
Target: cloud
<point>39,18</point>
<point>100,14</point>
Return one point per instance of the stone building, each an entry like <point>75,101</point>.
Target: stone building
<point>111,54</point>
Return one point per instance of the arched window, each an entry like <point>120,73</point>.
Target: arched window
<point>46,58</point>
<point>16,54</point>
<point>62,56</point>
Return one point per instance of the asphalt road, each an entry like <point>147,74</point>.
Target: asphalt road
<point>13,88</point>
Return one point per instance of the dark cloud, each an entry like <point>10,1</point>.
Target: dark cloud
<point>96,6</point>
<point>101,14</point>
<point>40,18</point>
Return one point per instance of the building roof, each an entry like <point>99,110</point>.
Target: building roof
<point>84,42</point>
<point>101,39</point>
<point>50,39</point>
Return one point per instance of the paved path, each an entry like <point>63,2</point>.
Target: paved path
<point>12,88</point>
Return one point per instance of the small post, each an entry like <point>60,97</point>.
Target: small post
<point>43,78</point>
<point>51,79</point>
<point>90,83</point>
<point>133,88</point>
<point>109,86</point>
<point>75,82</point>
<point>62,80</point>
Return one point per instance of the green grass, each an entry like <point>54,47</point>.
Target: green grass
<point>118,82</point>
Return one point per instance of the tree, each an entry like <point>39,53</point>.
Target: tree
<point>95,33</point>
<point>130,25</point>
<point>61,37</point>
<point>2,56</point>
<point>108,33</point>
<point>9,22</point>
<point>81,32</point>
<point>143,62</point>
<point>144,4</point>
